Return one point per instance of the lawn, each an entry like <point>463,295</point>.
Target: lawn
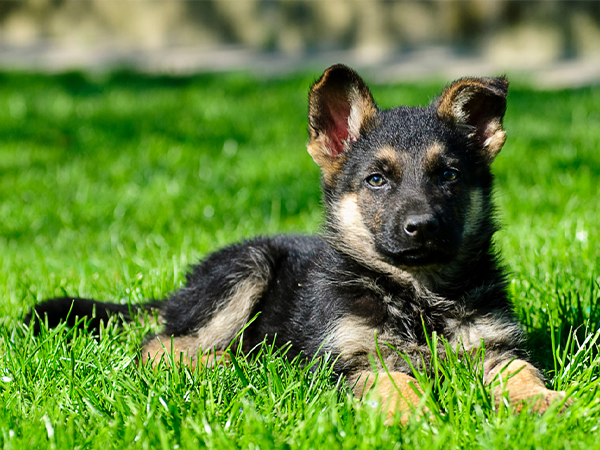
<point>112,185</point>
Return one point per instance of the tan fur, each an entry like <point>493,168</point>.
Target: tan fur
<point>388,154</point>
<point>455,97</point>
<point>391,158</point>
<point>493,327</point>
<point>451,107</point>
<point>230,320</point>
<point>519,378</point>
<point>319,149</point>
<point>357,340</point>
<point>358,242</point>
<point>361,109</point>
<point>494,143</point>
<point>524,385</point>
<point>361,115</point>
<point>433,155</point>
<point>396,392</point>
<point>220,331</point>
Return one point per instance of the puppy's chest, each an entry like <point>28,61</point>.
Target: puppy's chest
<point>391,327</point>
<point>404,315</point>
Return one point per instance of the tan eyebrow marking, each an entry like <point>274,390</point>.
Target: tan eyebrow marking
<point>433,156</point>
<point>389,156</point>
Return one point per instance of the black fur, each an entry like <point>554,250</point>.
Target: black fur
<point>72,309</point>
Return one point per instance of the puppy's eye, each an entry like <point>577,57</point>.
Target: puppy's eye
<point>376,180</point>
<point>451,175</point>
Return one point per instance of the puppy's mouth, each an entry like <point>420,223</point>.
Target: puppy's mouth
<point>416,257</point>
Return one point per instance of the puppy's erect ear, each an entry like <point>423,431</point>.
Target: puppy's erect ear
<point>340,108</point>
<point>477,105</point>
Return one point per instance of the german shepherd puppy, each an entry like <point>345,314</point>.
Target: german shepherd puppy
<point>406,250</point>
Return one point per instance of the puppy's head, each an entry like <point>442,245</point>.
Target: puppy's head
<point>406,187</point>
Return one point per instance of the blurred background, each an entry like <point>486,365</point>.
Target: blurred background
<point>556,43</point>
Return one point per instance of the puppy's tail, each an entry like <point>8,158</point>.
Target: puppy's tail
<point>72,309</point>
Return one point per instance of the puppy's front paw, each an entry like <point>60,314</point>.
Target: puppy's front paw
<point>538,399</point>
<point>524,386</point>
<point>542,400</point>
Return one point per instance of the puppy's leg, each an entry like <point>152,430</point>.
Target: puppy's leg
<point>524,383</point>
<point>184,350</point>
<point>218,301</point>
<point>397,392</point>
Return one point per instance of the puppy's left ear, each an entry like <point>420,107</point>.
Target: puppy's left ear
<point>477,106</point>
<point>340,109</point>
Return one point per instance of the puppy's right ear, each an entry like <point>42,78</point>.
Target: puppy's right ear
<point>476,106</point>
<point>341,107</point>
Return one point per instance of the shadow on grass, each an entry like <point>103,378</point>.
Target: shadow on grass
<point>575,316</point>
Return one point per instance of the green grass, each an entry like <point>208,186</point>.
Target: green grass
<point>110,186</point>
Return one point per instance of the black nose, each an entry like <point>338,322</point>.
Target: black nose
<point>421,225</point>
